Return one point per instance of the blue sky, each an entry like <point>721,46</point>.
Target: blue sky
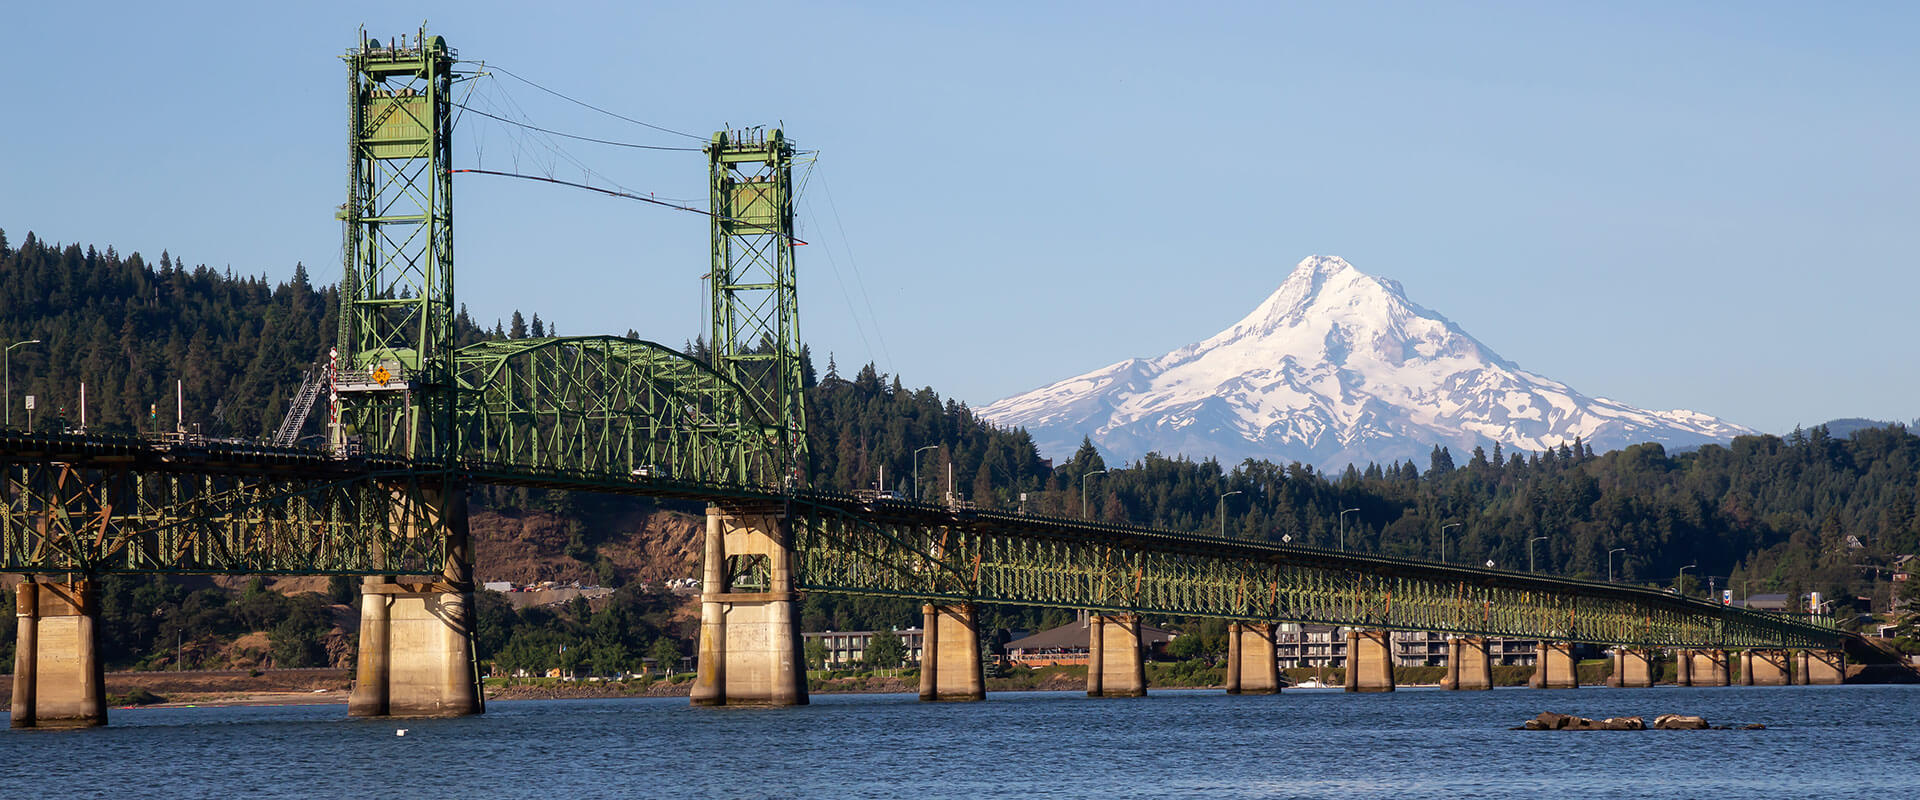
<point>1699,205</point>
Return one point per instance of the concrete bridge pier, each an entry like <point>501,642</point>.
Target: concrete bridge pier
<point>1764,668</point>
<point>1468,665</point>
<point>1554,667</point>
<point>950,654</point>
<point>749,625</point>
<point>416,639</point>
<point>1823,667</point>
<point>1632,669</point>
<point>57,677</point>
<point>1116,666</point>
<point>1704,668</point>
<point>1253,666</point>
<point>1369,661</point>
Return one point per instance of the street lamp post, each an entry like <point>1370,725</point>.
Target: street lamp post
<point>1083,490</point>
<point>1343,528</point>
<point>1679,581</point>
<point>7,366</point>
<point>1530,550</point>
<point>1443,540</point>
<point>1223,511</point>
<point>1623,562</point>
<point>916,468</point>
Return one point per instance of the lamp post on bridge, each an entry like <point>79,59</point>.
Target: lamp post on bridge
<point>1530,551</point>
<point>1343,528</point>
<point>1623,562</point>
<point>1083,490</point>
<point>1443,540</point>
<point>1679,581</point>
<point>916,468</point>
<point>7,358</point>
<point>1223,511</point>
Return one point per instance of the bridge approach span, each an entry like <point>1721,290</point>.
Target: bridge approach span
<point>92,504</point>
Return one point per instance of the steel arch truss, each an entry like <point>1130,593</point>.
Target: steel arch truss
<point>66,517</point>
<point>989,558</point>
<point>607,407</point>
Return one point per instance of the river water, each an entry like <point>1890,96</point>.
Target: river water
<point>1833,742</point>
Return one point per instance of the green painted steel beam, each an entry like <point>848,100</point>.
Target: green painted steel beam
<point>756,311</point>
<point>395,348</point>
<point>927,553</point>
<point>609,408</point>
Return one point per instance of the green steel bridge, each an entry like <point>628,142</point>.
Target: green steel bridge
<point>414,421</point>
<point>94,504</point>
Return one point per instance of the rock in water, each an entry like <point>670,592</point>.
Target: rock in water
<point>1679,722</point>
<point>1549,721</point>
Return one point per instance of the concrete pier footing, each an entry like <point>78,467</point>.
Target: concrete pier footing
<point>1116,666</point>
<point>1632,669</point>
<point>749,627</point>
<point>1764,668</point>
<point>1369,661</point>
<point>950,666</point>
<point>1554,667</point>
<point>416,652</point>
<point>1468,665</point>
<point>1253,667</point>
<point>1824,667</point>
<point>57,676</point>
<point>416,639</point>
<point>1703,668</point>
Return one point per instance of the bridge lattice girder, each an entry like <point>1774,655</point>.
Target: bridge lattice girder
<point>100,504</point>
<point>607,407</point>
<point>922,552</point>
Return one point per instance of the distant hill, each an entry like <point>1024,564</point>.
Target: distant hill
<point>1843,428</point>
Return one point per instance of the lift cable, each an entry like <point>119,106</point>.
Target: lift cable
<point>630,196</point>
<point>583,103</point>
<point>574,136</point>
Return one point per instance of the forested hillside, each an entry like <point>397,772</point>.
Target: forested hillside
<point>1807,512</point>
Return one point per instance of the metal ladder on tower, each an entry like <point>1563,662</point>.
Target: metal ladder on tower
<point>315,382</point>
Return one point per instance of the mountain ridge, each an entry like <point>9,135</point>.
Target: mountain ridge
<point>1336,366</point>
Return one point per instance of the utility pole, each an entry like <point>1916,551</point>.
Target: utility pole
<point>1223,511</point>
<point>7,357</point>
<point>1083,490</point>
<point>916,468</point>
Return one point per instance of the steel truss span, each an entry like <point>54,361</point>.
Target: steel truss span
<point>608,407</point>
<point>91,506</point>
<point>920,552</point>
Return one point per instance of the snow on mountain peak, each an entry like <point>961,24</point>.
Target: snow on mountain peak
<point>1335,366</point>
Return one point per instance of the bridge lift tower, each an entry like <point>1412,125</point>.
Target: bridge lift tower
<point>394,377</point>
<point>393,390</point>
<point>756,333</point>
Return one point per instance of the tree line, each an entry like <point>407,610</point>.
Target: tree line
<point>1806,512</point>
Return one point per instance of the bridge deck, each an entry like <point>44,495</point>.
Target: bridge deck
<point>193,505</point>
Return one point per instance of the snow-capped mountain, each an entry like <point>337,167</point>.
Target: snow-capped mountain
<point>1335,367</point>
